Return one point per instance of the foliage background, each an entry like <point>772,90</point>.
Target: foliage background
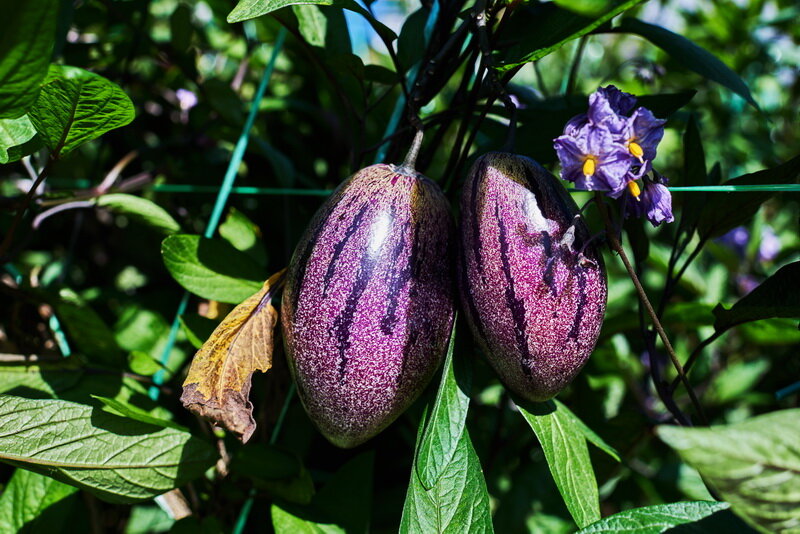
<point>191,75</point>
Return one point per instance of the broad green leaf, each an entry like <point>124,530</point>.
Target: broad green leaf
<point>17,139</point>
<point>446,422</point>
<point>217,386</point>
<point>694,174</point>
<point>689,55</point>
<point>735,380</point>
<point>567,454</point>
<point>76,106</point>
<point>26,45</point>
<point>250,9</point>
<point>140,210</point>
<point>588,8</point>
<point>211,268</point>
<point>243,234</point>
<point>587,432</point>
<point>40,379</point>
<point>725,211</point>
<point>777,296</point>
<point>124,409</point>
<point>687,517</point>
<point>754,465</point>
<point>116,458</point>
<point>536,31</point>
<point>34,503</point>
<point>287,523</point>
<point>311,23</point>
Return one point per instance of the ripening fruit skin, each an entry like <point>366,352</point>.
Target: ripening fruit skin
<point>369,301</point>
<point>533,290</point>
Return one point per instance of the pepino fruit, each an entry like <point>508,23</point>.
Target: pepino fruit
<point>368,304</point>
<point>533,288</point>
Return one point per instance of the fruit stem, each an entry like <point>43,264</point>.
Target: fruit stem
<point>413,152</point>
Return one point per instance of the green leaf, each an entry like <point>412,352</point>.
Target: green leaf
<point>754,465</point>
<point>588,8</point>
<point>587,432</point>
<point>446,422</point>
<point>243,234</point>
<point>198,328</point>
<point>311,24</point>
<point>39,379</point>
<point>250,9</point>
<point>116,458</point>
<point>777,296</point>
<point>17,139</point>
<point>211,268</point>
<point>26,45</point>
<point>567,454</point>
<point>689,55</point>
<point>76,106</point>
<point>694,174</point>
<point>536,31</point>
<point>285,522</point>
<point>687,517</point>
<point>140,210</point>
<point>124,409</point>
<point>34,503</point>
<point>725,211</point>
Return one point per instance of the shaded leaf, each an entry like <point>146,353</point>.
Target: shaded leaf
<point>538,30</point>
<point>694,174</point>
<point>39,379</point>
<point>446,422</point>
<point>116,458</point>
<point>76,106</point>
<point>567,454</point>
<point>124,409</point>
<point>754,465</point>
<point>777,296</point>
<point>689,55</point>
<point>587,432</point>
<point>141,210</point>
<point>197,328</point>
<point>34,503</point>
<point>211,268</point>
<point>17,139</point>
<point>26,45</point>
<point>218,384</point>
<point>684,517</point>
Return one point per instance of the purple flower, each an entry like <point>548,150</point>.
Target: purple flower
<point>593,159</point>
<point>609,107</point>
<point>642,133</point>
<point>736,239</point>
<point>770,245</point>
<point>654,201</point>
<point>621,102</point>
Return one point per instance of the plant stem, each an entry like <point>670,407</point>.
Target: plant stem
<point>22,209</point>
<point>616,246</point>
<point>696,354</point>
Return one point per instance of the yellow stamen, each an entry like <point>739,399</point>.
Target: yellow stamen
<point>636,150</point>
<point>589,166</point>
<point>635,190</point>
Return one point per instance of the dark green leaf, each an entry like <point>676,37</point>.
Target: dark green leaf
<point>26,44</point>
<point>34,503</point>
<point>694,174</point>
<point>380,74</point>
<point>116,458</point>
<point>124,409</point>
<point>410,45</point>
<point>76,106</point>
<point>141,210</point>
<point>538,30</point>
<point>725,211</point>
<point>754,465</point>
<point>694,517</point>
<point>777,296</point>
<point>689,55</point>
<point>211,268</point>
<point>197,328</point>
<point>587,432</point>
<point>17,139</point>
<point>181,29</point>
<point>39,379</point>
<point>564,446</point>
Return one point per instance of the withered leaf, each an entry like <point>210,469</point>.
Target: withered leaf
<point>218,384</point>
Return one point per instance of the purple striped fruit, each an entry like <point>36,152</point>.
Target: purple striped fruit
<point>368,304</point>
<point>533,289</point>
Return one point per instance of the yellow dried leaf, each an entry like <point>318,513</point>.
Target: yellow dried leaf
<point>218,384</point>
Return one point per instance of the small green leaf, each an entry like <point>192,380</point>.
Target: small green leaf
<point>588,8</point>
<point>197,328</point>
<point>311,24</point>
<point>143,364</point>
<point>76,106</point>
<point>567,454</point>
<point>754,465</point>
<point>17,139</point>
<point>587,432</point>
<point>141,210</point>
<point>116,458</point>
<point>777,296</point>
<point>243,234</point>
<point>124,409</point>
<point>446,422</point>
<point>34,503</point>
<point>250,9</point>
<point>692,516</point>
<point>211,268</point>
<point>689,55</point>
<point>26,45</point>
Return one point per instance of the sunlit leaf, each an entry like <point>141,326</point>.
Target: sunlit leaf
<point>26,45</point>
<point>695,517</point>
<point>118,407</point>
<point>218,384</point>
<point>76,106</point>
<point>243,234</point>
<point>567,454</point>
<point>587,432</point>
<point>17,139</point>
<point>34,503</point>
<point>116,458</point>
<point>140,210</point>
<point>754,465</point>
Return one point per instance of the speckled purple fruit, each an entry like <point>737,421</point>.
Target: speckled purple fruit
<point>533,291</point>
<point>368,304</point>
